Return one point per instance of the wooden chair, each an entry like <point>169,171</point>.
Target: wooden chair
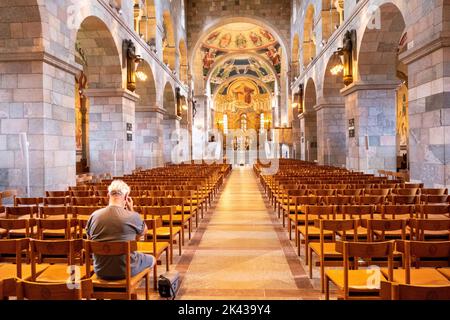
<point>57,201</point>
<point>377,192</point>
<point>53,291</point>
<point>154,247</point>
<point>116,289</point>
<point>405,200</point>
<point>57,194</point>
<point>65,257</point>
<point>395,291</point>
<point>339,200</point>
<point>28,202</point>
<point>364,282</point>
<point>295,212</point>
<point>430,229</point>
<point>382,229</point>
<point>434,199</point>
<point>351,192</point>
<point>56,228</point>
<point>81,193</point>
<point>311,233</point>
<point>19,212</point>
<point>86,201</point>
<point>165,233</point>
<point>180,217</point>
<point>415,250</point>
<point>18,248</point>
<point>434,211</point>
<point>326,249</point>
<point>406,192</point>
<point>54,212</point>
<point>189,207</point>
<point>17,228</point>
<point>397,212</point>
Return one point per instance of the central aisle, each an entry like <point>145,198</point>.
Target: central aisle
<point>241,250</point>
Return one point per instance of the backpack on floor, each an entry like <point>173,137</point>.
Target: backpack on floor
<point>168,284</point>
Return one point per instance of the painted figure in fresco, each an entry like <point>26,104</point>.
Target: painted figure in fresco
<point>213,37</point>
<point>241,42</point>
<point>266,34</point>
<point>257,41</point>
<point>208,59</point>
<point>225,40</point>
<point>275,56</point>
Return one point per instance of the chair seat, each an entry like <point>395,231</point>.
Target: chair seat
<point>357,279</point>
<point>58,273</point>
<point>300,217</point>
<point>101,283</point>
<point>300,209</point>
<point>57,232</point>
<point>445,272</point>
<point>420,277</point>
<point>313,231</point>
<point>9,270</point>
<point>147,247</point>
<point>20,232</point>
<point>176,218</point>
<point>187,209</point>
<point>361,231</point>
<point>329,249</point>
<point>165,231</point>
<point>436,234</point>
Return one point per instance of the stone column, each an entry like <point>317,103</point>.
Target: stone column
<point>373,109</point>
<point>331,134</point>
<point>110,112</point>
<point>308,123</point>
<point>149,138</point>
<point>200,128</point>
<point>429,112</point>
<point>171,125</point>
<point>37,98</point>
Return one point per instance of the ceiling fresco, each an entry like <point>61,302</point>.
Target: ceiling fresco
<point>240,38</point>
<point>242,67</point>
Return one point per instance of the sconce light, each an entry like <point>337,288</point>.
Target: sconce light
<point>132,62</point>
<point>344,57</point>
<point>299,98</point>
<point>141,75</point>
<point>184,106</point>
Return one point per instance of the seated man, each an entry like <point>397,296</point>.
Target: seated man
<point>118,222</point>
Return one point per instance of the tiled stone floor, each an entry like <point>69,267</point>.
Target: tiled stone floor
<point>241,250</point>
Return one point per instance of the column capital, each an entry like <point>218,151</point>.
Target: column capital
<point>70,67</point>
<point>112,92</point>
<point>368,86</point>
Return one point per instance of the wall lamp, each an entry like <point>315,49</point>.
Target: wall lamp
<point>344,57</point>
<point>132,62</point>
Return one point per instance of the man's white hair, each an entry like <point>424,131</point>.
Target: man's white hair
<point>117,188</point>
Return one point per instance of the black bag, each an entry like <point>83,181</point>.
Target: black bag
<point>168,284</point>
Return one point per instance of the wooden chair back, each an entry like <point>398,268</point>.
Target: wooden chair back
<point>419,227</point>
<point>382,226</point>
<point>393,211</point>
<point>86,201</point>
<point>16,212</point>
<point>18,224</point>
<point>339,200</point>
<point>396,291</point>
<point>16,247</point>
<point>49,212</point>
<point>57,201</point>
<point>66,225</point>
<point>53,291</point>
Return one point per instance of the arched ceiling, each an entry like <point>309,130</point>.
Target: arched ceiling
<point>242,66</point>
<point>242,38</point>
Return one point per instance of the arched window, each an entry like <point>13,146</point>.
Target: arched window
<point>244,122</point>
<point>225,124</point>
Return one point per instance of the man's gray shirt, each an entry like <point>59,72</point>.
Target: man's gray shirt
<point>113,224</point>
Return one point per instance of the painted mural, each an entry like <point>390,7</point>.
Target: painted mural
<point>243,95</point>
<point>240,37</point>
